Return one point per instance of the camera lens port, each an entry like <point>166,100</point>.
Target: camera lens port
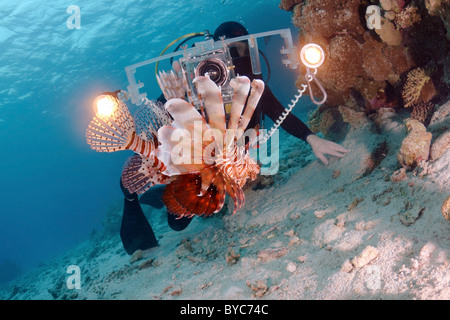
<point>215,69</point>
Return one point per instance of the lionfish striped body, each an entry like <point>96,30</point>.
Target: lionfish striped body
<point>200,187</point>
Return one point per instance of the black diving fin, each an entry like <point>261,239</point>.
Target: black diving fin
<point>135,231</point>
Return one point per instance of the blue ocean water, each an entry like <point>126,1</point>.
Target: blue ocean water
<point>55,189</point>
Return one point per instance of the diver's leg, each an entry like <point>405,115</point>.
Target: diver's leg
<point>153,196</point>
<point>177,223</point>
<point>135,231</point>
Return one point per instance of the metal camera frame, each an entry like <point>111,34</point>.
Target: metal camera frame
<point>200,48</point>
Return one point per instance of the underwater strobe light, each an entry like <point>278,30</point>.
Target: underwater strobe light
<point>312,55</point>
<point>104,105</point>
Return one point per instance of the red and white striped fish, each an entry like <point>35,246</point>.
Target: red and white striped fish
<point>200,187</point>
<point>120,131</point>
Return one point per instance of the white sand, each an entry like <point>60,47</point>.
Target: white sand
<point>316,233</point>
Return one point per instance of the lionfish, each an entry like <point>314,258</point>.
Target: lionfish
<point>212,166</point>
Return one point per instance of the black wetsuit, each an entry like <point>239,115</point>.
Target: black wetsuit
<point>136,233</point>
<point>269,105</point>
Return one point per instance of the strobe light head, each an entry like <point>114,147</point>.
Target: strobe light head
<point>312,55</point>
<point>104,105</point>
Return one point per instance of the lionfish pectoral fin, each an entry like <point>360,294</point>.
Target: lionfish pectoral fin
<point>141,173</point>
<point>119,131</point>
<point>149,117</point>
<point>112,132</point>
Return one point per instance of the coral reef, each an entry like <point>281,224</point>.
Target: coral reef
<point>372,64</point>
<point>335,72</point>
<point>440,145</point>
<point>401,64</point>
<point>439,8</point>
<point>415,147</point>
<point>427,41</point>
<point>289,4</point>
<point>355,118</point>
<point>327,17</point>
<point>423,112</point>
<point>418,88</point>
<point>321,121</point>
<point>406,18</point>
<point>388,33</point>
<point>392,5</point>
<point>375,63</point>
<point>446,208</point>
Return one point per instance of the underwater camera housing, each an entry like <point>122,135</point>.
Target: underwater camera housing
<point>212,58</point>
<point>209,60</point>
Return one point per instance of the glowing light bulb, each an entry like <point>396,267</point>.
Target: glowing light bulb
<point>312,55</point>
<point>104,105</point>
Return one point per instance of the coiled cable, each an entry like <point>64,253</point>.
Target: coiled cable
<point>309,78</point>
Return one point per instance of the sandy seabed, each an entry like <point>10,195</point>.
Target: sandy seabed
<point>342,231</point>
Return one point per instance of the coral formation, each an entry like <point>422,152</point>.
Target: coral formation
<point>321,121</point>
<point>439,8</point>
<point>418,88</point>
<point>335,72</point>
<point>400,60</point>
<point>408,17</point>
<point>440,145</point>
<point>415,147</point>
<point>388,33</point>
<point>375,63</point>
<point>355,118</point>
<point>446,209</point>
<point>399,175</point>
<point>289,4</point>
<point>423,112</point>
<point>326,17</point>
<point>392,5</point>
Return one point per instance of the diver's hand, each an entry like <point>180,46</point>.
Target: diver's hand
<point>321,147</point>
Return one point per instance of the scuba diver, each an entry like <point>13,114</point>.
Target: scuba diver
<point>136,232</point>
